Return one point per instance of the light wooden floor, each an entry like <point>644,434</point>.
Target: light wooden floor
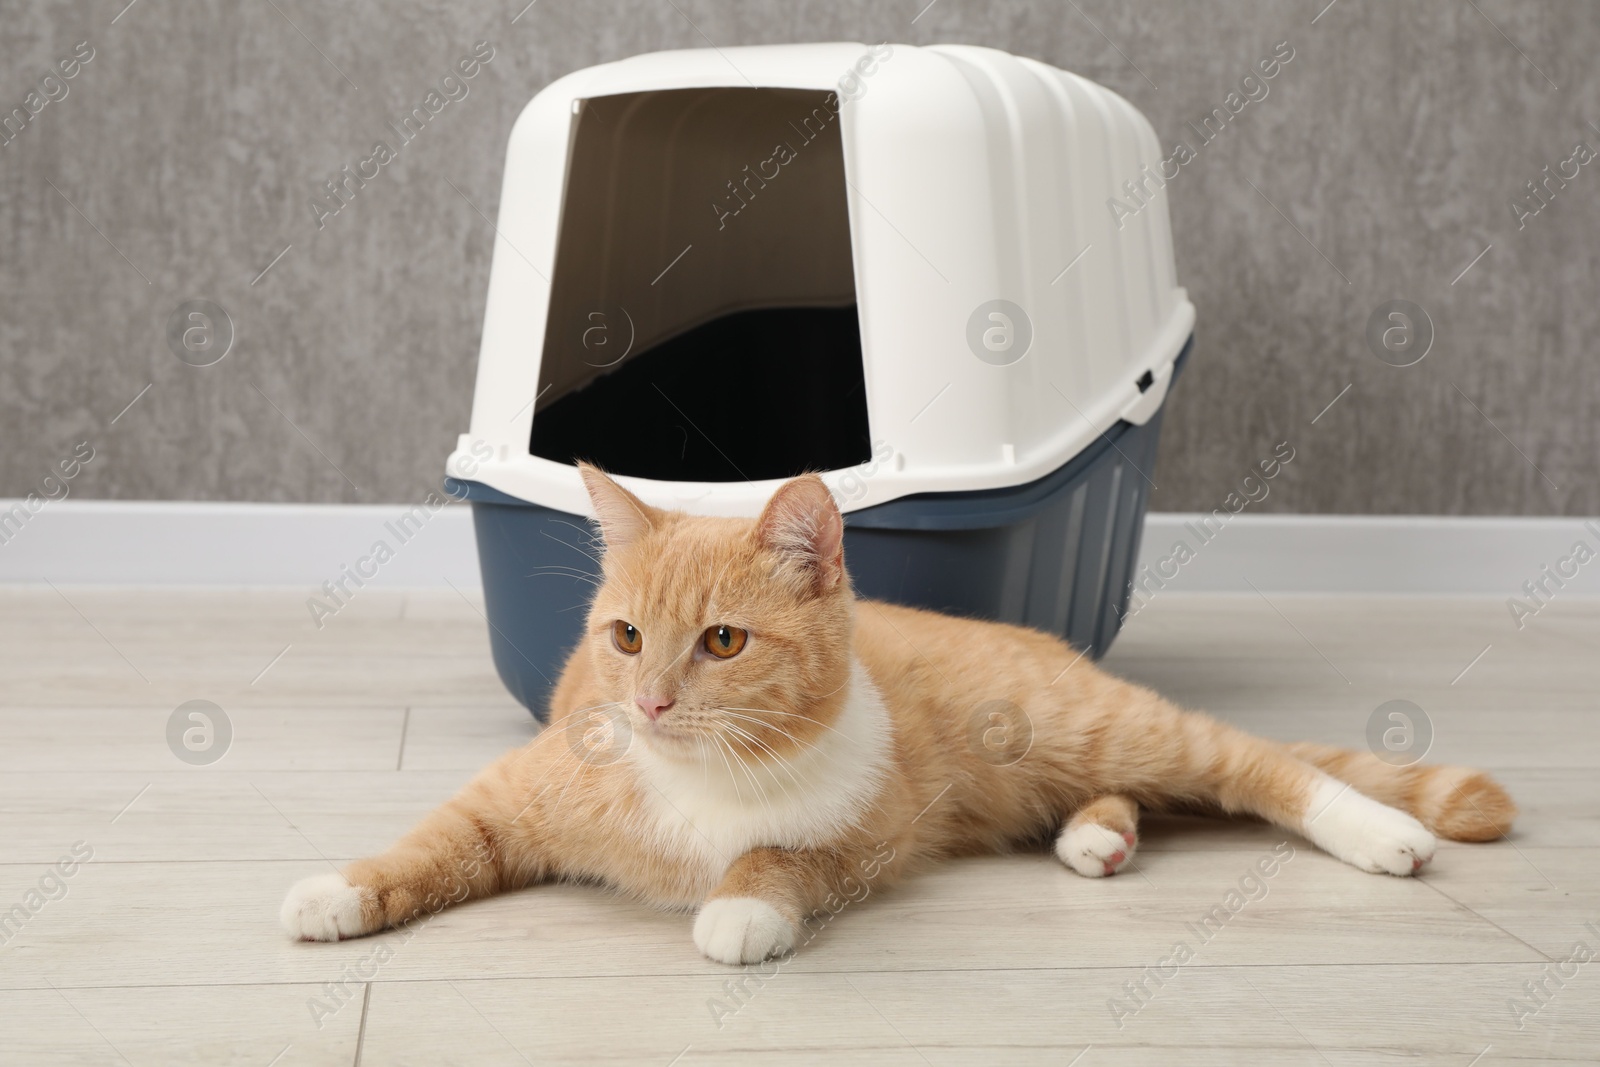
<point>165,948</point>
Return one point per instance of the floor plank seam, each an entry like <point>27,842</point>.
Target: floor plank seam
<point>1540,952</point>
<point>405,728</point>
<point>361,1033</point>
<point>732,972</point>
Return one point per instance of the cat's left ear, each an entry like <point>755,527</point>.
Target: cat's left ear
<point>623,517</point>
<point>802,522</point>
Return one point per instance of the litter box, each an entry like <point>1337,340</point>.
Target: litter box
<point>898,266</point>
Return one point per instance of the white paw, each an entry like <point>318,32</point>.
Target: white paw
<point>324,907</point>
<point>1365,833</point>
<point>1094,851</point>
<point>741,930</point>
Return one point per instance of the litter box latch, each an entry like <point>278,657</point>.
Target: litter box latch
<point>1152,386</point>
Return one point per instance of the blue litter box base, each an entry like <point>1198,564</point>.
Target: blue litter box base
<point>1057,554</point>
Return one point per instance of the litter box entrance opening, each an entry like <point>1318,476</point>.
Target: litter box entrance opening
<point>702,322</point>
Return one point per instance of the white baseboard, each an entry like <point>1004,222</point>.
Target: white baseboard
<point>104,542</point>
<point>1366,554</point>
<point>158,543</point>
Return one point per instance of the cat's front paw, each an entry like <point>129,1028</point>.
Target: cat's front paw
<point>741,930</point>
<point>325,907</point>
<point>1366,834</point>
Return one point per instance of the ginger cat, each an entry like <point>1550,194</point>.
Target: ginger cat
<point>737,733</point>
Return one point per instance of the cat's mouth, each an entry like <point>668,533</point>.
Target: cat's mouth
<point>689,740</point>
<point>671,734</point>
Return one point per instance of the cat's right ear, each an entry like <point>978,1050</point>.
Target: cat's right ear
<point>623,517</point>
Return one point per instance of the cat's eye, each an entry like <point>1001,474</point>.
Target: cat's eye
<point>725,642</point>
<point>626,637</point>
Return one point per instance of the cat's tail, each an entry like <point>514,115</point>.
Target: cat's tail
<point>1458,803</point>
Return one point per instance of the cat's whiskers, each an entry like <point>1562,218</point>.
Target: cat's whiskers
<point>744,766</point>
<point>761,794</point>
<point>590,534</point>
<point>565,572</point>
<point>837,688</point>
<point>786,735</point>
<point>592,707</point>
<point>717,747</point>
<point>550,729</point>
<point>795,715</point>
<point>730,716</point>
<point>554,726</point>
<point>783,763</point>
<point>739,762</point>
<point>580,758</point>
<point>830,754</point>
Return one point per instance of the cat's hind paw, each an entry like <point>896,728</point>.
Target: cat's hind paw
<point>325,907</point>
<point>1095,851</point>
<point>741,930</point>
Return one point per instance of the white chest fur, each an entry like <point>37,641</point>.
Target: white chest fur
<point>707,814</point>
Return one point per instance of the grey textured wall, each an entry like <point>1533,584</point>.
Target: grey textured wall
<point>181,160</point>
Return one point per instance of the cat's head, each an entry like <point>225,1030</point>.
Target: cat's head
<point>722,634</point>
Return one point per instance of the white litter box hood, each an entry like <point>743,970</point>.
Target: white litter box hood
<point>972,176</point>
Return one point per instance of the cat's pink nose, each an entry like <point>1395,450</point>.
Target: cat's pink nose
<point>652,706</point>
